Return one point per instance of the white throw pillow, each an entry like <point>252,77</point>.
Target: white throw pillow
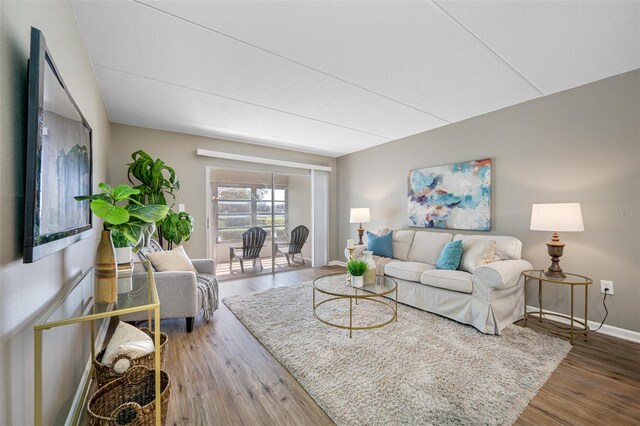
<point>127,340</point>
<point>477,253</point>
<point>174,260</point>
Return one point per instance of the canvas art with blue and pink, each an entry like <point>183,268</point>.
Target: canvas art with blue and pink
<point>454,196</point>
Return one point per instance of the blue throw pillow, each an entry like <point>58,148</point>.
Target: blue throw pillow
<point>380,245</point>
<point>450,256</point>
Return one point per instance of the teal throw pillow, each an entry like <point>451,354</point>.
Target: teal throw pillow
<point>450,256</point>
<point>380,245</point>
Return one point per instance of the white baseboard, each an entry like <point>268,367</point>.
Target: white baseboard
<point>337,263</point>
<point>609,330</point>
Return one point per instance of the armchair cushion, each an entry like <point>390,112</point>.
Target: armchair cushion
<point>174,260</point>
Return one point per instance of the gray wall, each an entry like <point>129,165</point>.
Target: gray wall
<point>179,151</point>
<point>27,291</point>
<point>581,145</point>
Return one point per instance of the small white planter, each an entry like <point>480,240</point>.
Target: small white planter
<point>123,255</point>
<point>357,281</point>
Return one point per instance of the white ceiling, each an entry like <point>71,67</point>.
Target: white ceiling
<point>336,77</point>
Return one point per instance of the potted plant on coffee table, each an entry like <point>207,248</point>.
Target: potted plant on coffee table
<point>356,269</point>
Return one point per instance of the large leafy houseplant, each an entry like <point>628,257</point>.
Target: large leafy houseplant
<point>156,182</point>
<point>128,219</point>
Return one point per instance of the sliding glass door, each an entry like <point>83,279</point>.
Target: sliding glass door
<point>243,200</point>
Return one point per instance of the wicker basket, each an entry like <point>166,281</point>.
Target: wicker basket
<point>130,400</point>
<point>106,373</point>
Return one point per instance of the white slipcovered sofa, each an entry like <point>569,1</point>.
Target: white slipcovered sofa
<point>489,298</point>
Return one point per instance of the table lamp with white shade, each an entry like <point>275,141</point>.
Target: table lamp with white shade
<point>556,217</point>
<point>360,215</point>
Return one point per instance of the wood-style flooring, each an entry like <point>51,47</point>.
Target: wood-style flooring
<point>221,375</point>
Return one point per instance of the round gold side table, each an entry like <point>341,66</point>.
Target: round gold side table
<point>572,280</point>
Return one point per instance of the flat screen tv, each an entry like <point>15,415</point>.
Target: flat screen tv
<point>58,160</point>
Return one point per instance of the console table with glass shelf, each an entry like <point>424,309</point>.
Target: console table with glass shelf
<point>139,295</point>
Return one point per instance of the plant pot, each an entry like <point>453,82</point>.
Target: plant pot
<point>123,255</point>
<point>106,273</point>
<point>357,281</point>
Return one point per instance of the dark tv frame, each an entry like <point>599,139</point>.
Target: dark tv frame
<point>39,57</point>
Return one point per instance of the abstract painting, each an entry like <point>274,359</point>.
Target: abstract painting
<point>453,196</point>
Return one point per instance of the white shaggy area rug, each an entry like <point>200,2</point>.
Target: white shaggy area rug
<point>424,369</point>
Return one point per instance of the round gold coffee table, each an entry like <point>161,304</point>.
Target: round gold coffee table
<point>335,286</point>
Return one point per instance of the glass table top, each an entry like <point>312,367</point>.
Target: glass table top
<point>136,290</point>
<point>570,279</point>
<point>337,285</point>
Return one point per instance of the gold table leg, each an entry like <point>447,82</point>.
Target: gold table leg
<point>571,330</point>
<point>540,299</point>
<point>525,301</point>
<point>396,303</point>
<point>156,327</point>
<point>350,315</point>
<point>586,313</point>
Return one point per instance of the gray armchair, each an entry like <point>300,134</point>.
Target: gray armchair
<point>182,294</point>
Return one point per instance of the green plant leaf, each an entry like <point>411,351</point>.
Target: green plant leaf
<point>109,212</point>
<point>92,197</point>
<point>148,213</point>
<point>132,231</point>
<point>105,187</point>
<point>177,227</point>
<point>123,192</point>
<point>357,267</point>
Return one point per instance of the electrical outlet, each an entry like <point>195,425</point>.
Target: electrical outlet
<point>604,284</point>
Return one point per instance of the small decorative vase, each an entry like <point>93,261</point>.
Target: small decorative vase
<point>370,274</point>
<point>357,281</point>
<point>106,273</point>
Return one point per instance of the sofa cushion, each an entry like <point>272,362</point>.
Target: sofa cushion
<point>409,271</point>
<point>402,240</point>
<point>380,245</point>
<point>451,280</point>
<point>476,253</point>
<point>450,256</point>
<point>427,246</point>
<point>506,247</point>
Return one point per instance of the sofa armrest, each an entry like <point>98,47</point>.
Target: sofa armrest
<point>204,266</point>
<point>501,274</point>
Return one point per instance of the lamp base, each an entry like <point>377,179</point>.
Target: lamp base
<point>360,234</point>
<point>554,274</point>
<point>555,249</point>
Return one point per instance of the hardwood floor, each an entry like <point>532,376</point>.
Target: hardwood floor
<point>222,375</point>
